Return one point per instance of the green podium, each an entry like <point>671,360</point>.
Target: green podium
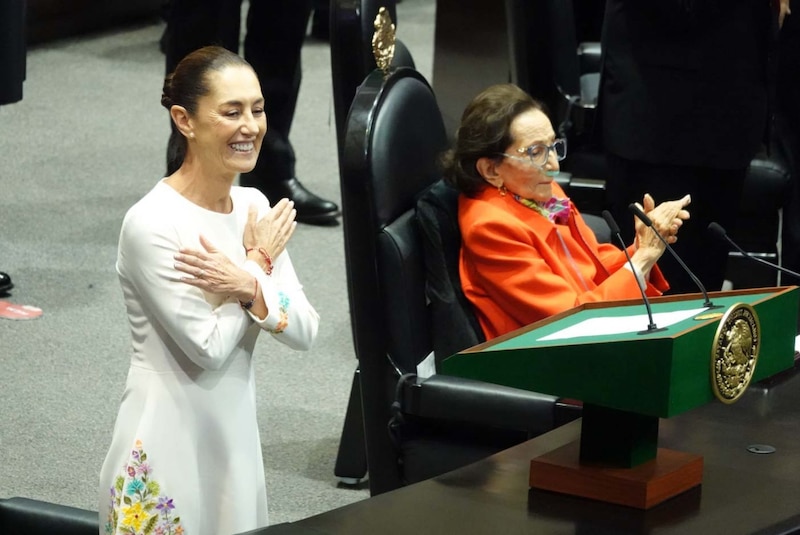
<point>627,380</point>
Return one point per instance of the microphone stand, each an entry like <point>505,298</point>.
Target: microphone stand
<point>717,231</point>
<point>646,220</point>
<point>612,224</point>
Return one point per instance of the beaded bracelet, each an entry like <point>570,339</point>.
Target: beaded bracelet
<point>249,304</point>
<point>267,258</point>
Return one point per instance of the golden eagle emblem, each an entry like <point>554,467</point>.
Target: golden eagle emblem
<point>735,352</point>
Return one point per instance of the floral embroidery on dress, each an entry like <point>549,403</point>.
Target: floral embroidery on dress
<point>283,314</point>
<point>137,506</point>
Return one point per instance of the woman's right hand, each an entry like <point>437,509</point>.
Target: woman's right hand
<point>271,232</point>
<point>667,219</point>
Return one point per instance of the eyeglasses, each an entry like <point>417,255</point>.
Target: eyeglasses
<point>539,153</point>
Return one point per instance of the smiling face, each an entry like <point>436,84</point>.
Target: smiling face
<point>517,173</point>
<point>227,130</point>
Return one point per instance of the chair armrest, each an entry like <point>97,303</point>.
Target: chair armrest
<point>452,398</point>
<point>34,517</point>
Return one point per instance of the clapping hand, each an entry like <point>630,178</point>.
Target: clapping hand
<point>271,232</point>
<point>211,271</point>
<point>667,217</point>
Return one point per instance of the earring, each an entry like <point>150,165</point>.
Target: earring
<point>502,189</point>
<point>191,135</point>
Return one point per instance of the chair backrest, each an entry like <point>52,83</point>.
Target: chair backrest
<point>393,137</point>
<point>455,326</point>
<point>351,30</point>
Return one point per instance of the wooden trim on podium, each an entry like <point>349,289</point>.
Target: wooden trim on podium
<point>643,486</point>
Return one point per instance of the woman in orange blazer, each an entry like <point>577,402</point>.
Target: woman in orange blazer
<point>526,251</point>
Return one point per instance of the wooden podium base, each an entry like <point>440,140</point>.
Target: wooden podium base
<point>643,486</point>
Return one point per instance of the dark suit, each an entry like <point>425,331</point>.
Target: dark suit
<point>12,50</point>
<point>272,45</point>
<point>788,133</point>
<point>684,107</point>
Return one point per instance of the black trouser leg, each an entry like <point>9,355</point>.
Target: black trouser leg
<point>273,44</point>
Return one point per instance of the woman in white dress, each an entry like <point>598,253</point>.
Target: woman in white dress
<point>203,271</point>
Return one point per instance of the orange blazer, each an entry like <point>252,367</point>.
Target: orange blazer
<point>517,267</point>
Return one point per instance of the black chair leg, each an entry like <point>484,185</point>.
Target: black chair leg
<point>351,460</point>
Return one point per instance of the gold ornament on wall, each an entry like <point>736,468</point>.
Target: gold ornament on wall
<point>383,40</point>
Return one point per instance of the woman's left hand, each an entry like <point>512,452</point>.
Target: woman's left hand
<point>213,272</point>
<point>667,217</point>
<point>272,231</point>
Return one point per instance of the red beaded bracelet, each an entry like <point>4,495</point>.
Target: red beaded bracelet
<point>267,258</point>
<point>249,304</point>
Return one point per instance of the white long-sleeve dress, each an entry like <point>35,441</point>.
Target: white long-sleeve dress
<point>185,457</point>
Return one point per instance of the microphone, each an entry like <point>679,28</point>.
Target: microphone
<point>652,327</point>
<point>716,230</point>
<point>646,220</point>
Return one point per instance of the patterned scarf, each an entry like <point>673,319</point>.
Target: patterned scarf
<point>555,210</point>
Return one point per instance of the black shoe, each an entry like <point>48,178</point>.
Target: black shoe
<point>311,208</point>
<point>5,283</point>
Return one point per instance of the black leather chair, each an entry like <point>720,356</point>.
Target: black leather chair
<point>393,137</point>
<point>351,31</point>
<point>24,516</point>
<point>456,326</point>
<point>759,227</point>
